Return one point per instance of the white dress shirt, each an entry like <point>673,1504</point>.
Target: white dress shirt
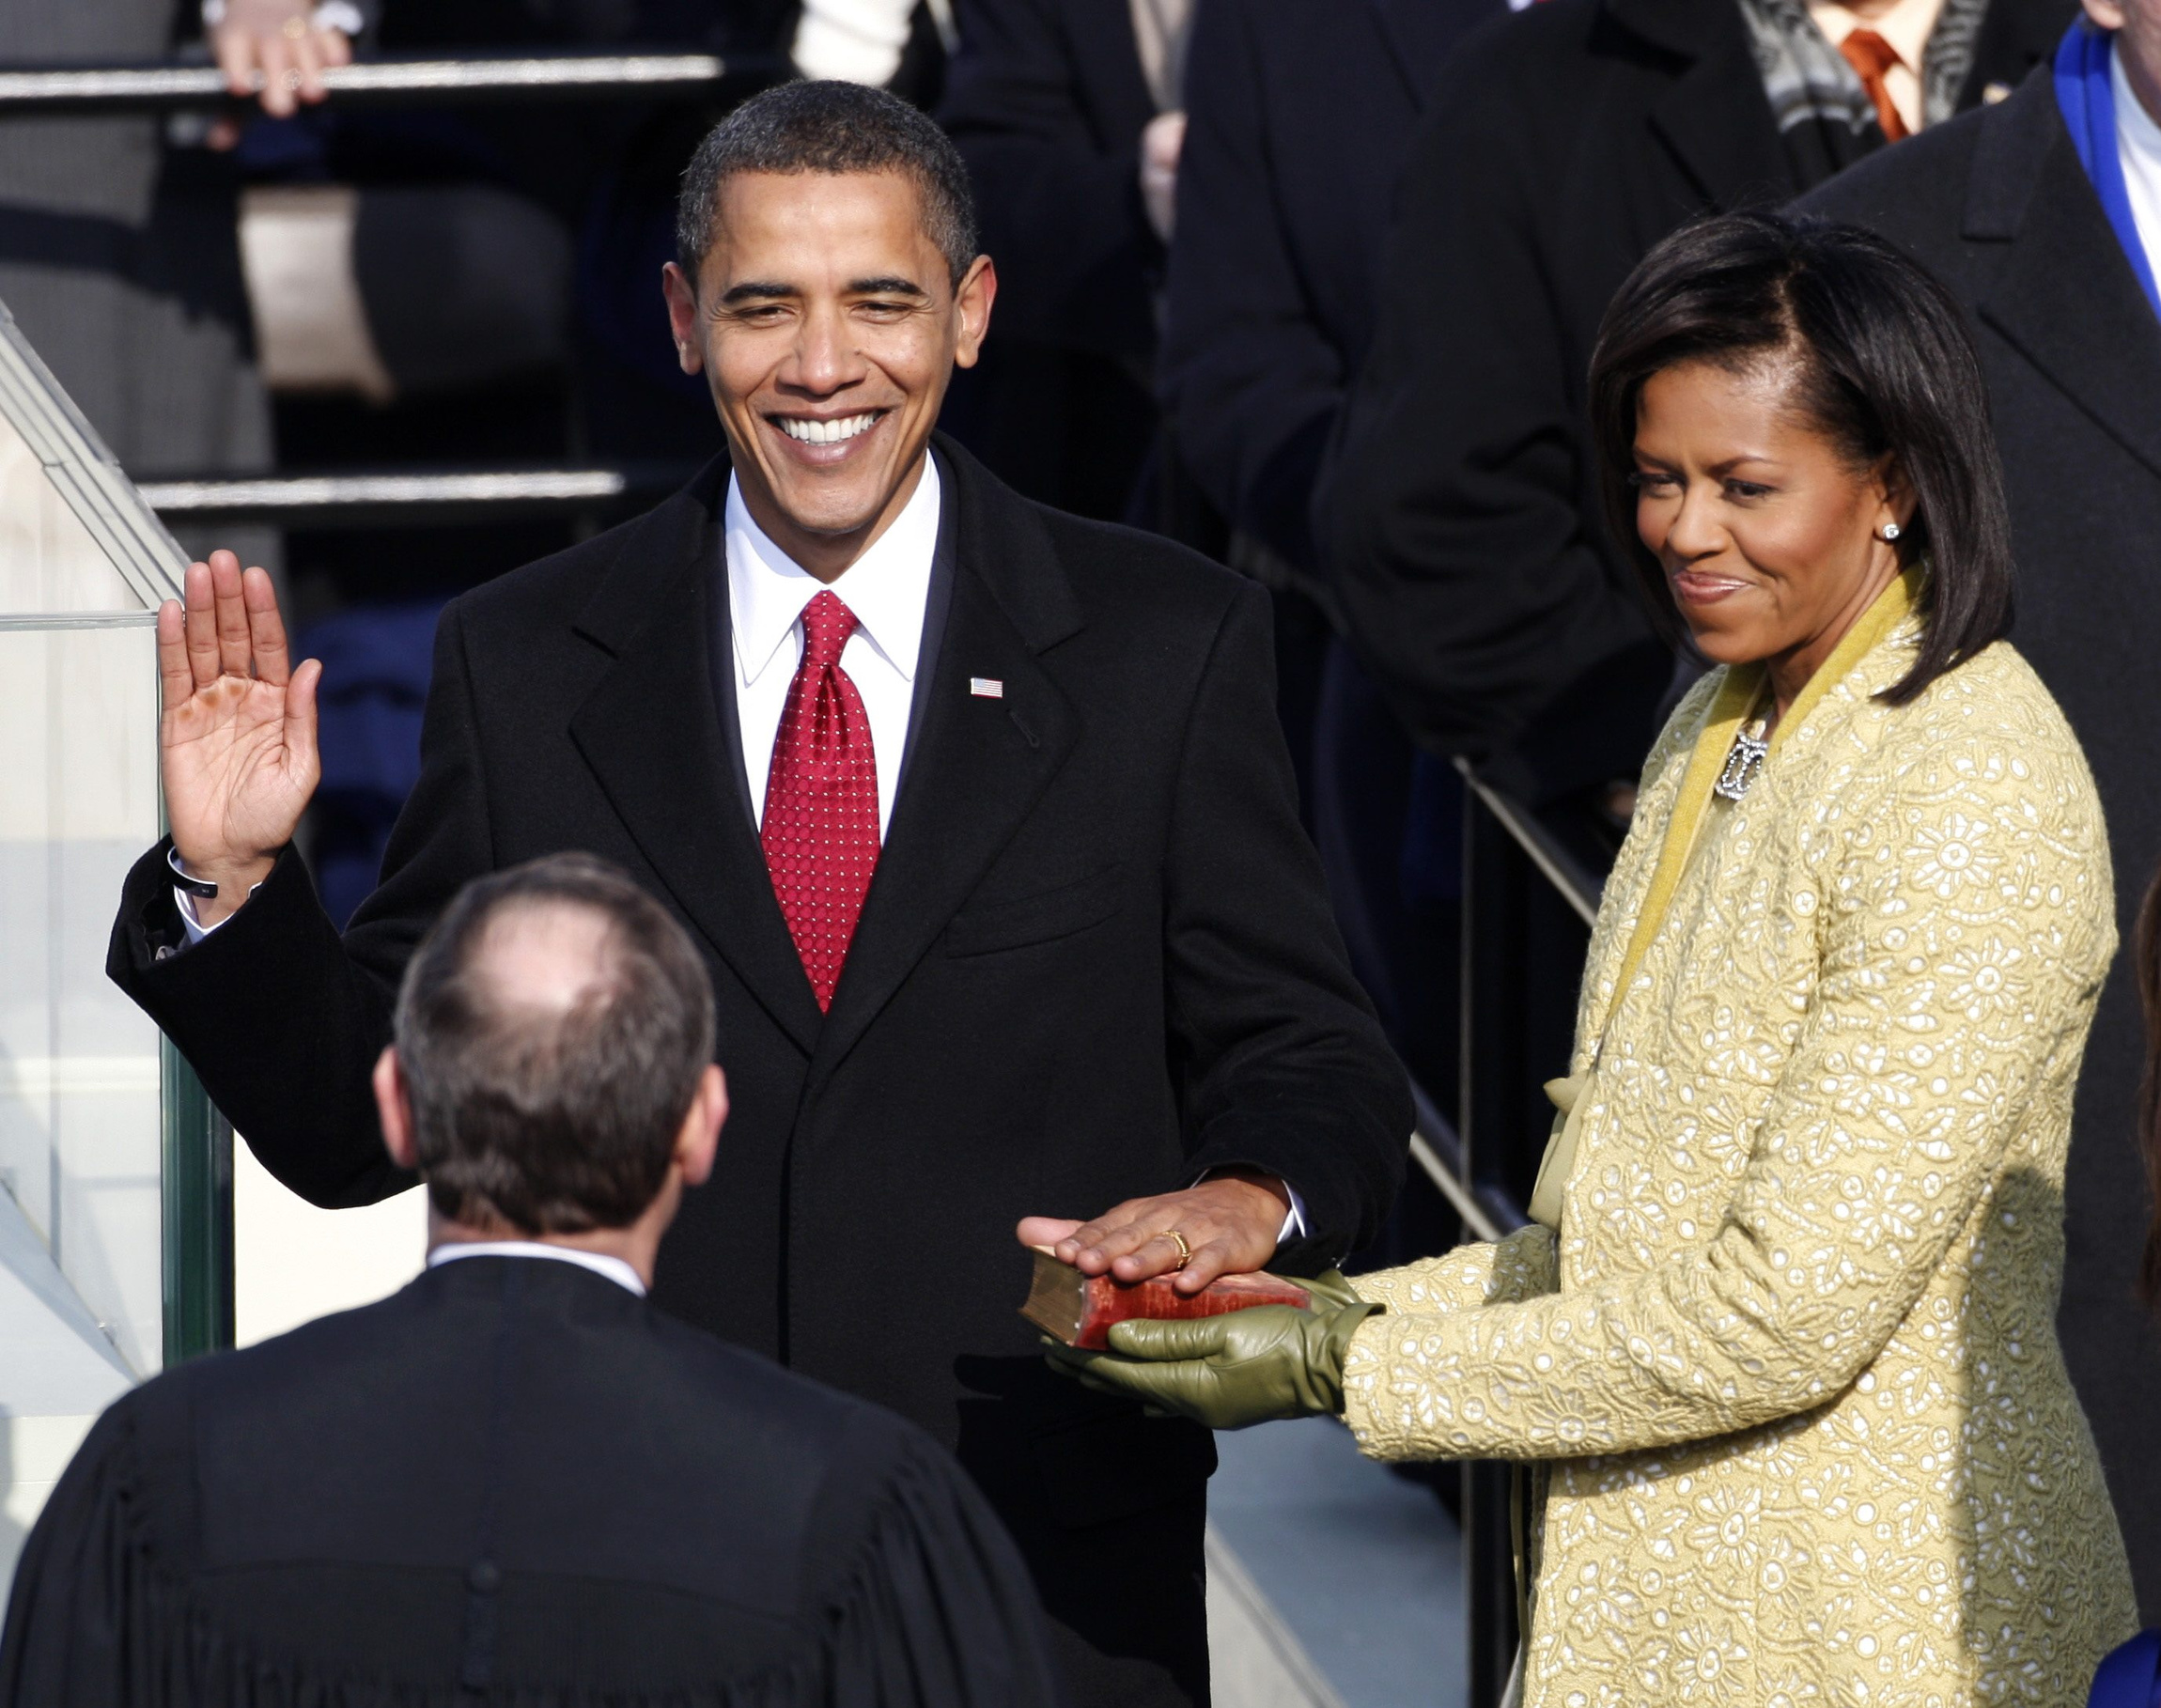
<point>615,1268</point>
<point>1906,28</point>
<point>887,588</point>
<point>2138,145</point>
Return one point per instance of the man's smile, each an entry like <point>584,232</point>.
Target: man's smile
<point>817,429</point>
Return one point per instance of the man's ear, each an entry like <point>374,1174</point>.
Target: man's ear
<point>699,1141</point>
<point>971,300</point>
<point>2107,14</point>
<point>682,297</point>
<point>394,1106</point>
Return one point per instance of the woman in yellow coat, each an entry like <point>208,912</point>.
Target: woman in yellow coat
<point>1784,1362</point>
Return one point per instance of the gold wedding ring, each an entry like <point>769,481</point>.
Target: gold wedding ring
<point>294,28</point>
<point>1184,1250</point>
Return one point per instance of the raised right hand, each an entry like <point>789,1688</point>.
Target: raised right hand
<point>236,740</point>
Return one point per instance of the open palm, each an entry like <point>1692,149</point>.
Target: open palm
<point>238,736</point>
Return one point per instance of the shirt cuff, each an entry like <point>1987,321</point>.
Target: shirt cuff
<point>1294,1219</point>
<point>190,923</point>
<point>195,928</point>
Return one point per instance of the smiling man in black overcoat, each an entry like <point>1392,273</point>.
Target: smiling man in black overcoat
<point>979,813</point>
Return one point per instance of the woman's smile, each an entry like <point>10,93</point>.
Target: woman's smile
<point>1707,586</point>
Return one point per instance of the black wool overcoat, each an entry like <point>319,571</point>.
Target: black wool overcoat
<point>1298,117</point>
<point>1997,207</point>
<point>1460,503</point>
<point>1096,959</point>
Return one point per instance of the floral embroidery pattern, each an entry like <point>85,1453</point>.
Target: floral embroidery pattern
<point>1792,1359</point>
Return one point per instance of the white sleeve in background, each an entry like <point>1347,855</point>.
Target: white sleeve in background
<point>852,40</point>
<point>343,16</point>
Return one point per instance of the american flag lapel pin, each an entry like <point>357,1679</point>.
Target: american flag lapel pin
<point>987,687</point>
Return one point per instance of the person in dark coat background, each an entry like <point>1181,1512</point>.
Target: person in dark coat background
<point>1461,522</point>
<point>516,1479</point>
<point>2003,207</point>
<point>1044,940</point>
<point>1298,117</point>
<point>1063,109</point>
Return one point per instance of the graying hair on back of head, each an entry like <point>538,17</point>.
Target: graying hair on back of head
<point>833,128</point>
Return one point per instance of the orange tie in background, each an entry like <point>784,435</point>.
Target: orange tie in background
<point>1871,55</point>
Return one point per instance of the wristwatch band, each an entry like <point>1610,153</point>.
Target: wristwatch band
<point>192,885</point>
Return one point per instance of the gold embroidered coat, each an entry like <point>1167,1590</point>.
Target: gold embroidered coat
<point>1792,1358</point>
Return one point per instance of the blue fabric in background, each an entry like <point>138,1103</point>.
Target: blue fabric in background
<point>375,669</point>
<point>2127,1678</point>
<point>2088,102</point>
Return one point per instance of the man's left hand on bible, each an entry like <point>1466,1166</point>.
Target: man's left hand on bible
<point>1229,1225</point>
<point>1249,1367</point>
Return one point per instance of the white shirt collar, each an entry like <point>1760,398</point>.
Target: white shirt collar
<point>887,587</point>
<point>2135,128</point>
<point>615,1268</point>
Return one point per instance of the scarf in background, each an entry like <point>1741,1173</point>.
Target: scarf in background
<point>1825,117</point>
<point>2088,102</point>
<point>1161,28</point>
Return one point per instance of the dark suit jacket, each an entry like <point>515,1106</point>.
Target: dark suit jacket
<point>1298,114</point>
<point>1461,500</point>
<point>1096,959</point>
<point>1047,101</point>
<point>1997,207</point>
<point>515,1477</point>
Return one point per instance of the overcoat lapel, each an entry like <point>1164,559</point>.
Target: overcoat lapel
<point>2065,297</point>
<point>651,732</point>
<point>1419,34</point>
<point>979,763</point>
<point>1716,118</point>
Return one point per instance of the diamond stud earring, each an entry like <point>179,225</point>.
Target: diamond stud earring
<point>1891,531</point>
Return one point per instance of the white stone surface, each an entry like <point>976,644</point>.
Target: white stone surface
<point>293,1263</point>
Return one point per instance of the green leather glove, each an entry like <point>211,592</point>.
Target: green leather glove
<point>1230,1372</point>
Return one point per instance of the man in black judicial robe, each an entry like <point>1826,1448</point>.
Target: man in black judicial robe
<point>1999,207</point>
<point>516,1480</point>
<point>1095,961</point>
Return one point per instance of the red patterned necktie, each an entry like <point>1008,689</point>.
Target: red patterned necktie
<point>1872,57</point>
<point>820,827</point>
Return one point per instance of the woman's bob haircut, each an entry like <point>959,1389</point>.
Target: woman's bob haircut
<point>1881,365</point>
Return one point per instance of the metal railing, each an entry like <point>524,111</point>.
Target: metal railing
<point>48,91</point>
<point>411,497</point>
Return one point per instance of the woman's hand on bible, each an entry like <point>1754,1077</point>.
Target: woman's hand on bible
<point>1229,1372</point>
<point>236,740</point>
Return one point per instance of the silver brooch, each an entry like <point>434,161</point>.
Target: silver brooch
<point>1744,763</point>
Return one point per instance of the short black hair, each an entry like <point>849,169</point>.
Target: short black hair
<point>552,1120</point>
<point>833,128</point>
<point>1882,364</point>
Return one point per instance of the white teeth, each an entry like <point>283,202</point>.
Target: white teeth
<point>825,432</point>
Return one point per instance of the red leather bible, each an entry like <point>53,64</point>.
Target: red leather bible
<point>1079,1308</point>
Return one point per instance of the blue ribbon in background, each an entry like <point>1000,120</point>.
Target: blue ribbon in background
<point>2087,101</point>
<point>2126,1679</point>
